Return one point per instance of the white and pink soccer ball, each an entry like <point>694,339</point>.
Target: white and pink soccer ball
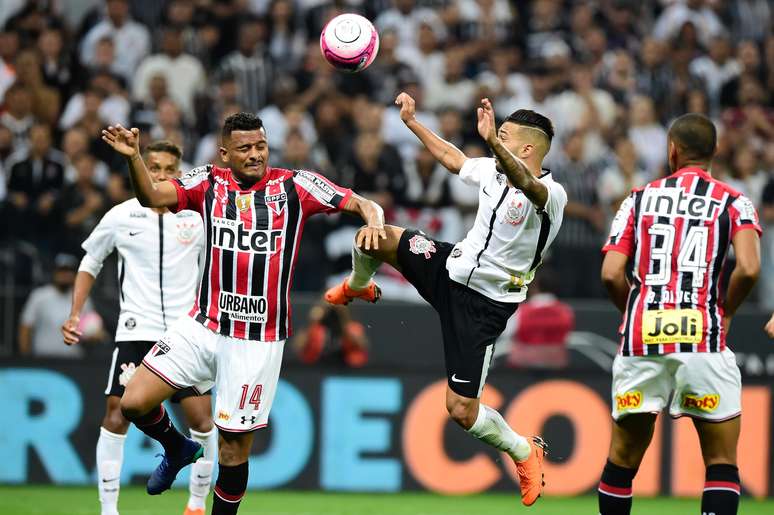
<point>349,42</point>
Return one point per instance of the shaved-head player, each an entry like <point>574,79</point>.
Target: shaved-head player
<point>476,284</point>
<point>674,235</point>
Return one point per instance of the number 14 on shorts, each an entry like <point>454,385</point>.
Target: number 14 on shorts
<point>255,397</point>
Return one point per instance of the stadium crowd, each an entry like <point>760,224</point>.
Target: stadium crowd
<point>611,74</point>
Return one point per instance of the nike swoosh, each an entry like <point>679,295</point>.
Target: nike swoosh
<point>485,193</point>
<point>109,480</point>
<point>134,233</point>
<point>454,378</point>
<point>202,477</point>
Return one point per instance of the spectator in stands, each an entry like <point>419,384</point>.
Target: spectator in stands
<point>453,89</point>
<point>750,19</point>
<point>74,143</point>
<point>584,109</point>
<point>132,38</point>
<point>674,17</point>
<point>56,65</point>
<point>375,170</point>
<point>183,72</point>
<point>251,65</point>
<point>537,334</point>
<point>715,69</point>
<point>654,76</point>
<point>622,175</point>
<point>9,45</point>
<point>44,311</point>
<point>286,40</point>
<point>80,205</point>
<point>647,134</point>
<point>18,116</point>
<point>747,176</point>
<point>35,179</point>
<point>387,69</point>
<point>171,126</point>
<point>45,100</point>
<point>427,182</point>
<point>394,130</point>
<point>576,248</point>
<point>405,18</point>
<point>426,59</point>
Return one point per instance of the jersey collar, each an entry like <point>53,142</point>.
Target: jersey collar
<point>692,169</point>
<point>255,187</point>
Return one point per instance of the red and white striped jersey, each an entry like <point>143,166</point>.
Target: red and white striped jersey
<point>676,232</point>
<point>251,245</point>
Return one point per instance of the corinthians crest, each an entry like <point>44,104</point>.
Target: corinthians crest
<point>186,232</point>
<point>420,245</point>
<point>516,211</point>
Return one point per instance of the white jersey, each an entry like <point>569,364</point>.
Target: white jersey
<point>500,253</point>
<point>158,265</point>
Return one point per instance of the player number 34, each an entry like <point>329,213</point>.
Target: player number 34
<point>692,258</point>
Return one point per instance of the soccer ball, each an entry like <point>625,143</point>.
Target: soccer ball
<point>349,42</point>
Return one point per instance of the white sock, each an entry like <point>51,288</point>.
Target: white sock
<point>364,268</point>
<point>201,471</point>
<point>490,427</point>
<point>110,456</point>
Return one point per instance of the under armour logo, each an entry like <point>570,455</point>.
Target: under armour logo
<point>252,420</point>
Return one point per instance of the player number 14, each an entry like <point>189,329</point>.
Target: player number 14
<point>255,398</point>
<point>692,258</point>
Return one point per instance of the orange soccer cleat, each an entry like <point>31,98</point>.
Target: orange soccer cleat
<point>531,471</point>
<point>192,511</point>
<point>343,294</point>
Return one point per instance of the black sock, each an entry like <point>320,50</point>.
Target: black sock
<point>229,489</point>
<point>721,490</point>
<point>158,426</point>
<point>615,490</point>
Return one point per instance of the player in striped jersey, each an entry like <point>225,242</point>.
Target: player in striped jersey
<point>674,236</point>
<point>234,335</point>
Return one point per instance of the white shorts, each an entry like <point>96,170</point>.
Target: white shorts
<point>705,385</point>
<point>244,373</point>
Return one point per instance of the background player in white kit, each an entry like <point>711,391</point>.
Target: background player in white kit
<point>234,335</point>
<point>158,255</point>
<point>476,285</point>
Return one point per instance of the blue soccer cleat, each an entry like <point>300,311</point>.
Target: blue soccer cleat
<point>164,475</point>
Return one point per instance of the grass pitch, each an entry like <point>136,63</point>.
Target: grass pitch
<point>50,500</point>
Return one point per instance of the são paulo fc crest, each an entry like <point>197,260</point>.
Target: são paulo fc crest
<point>516,212</point>
<point>276,202</point>
<point>418,244</point>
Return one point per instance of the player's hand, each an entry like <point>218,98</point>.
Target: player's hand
<point>368,237</point>
<point>770,327</point>
<point>408,107</point>
<point>124,141</point>
<point>486,121</point>
<point>70,330</point>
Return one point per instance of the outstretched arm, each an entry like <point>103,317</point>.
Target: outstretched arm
<point>83,284</point>
<point>444,152</point>
<point>127,143</point>
<point>513,167</point>
<point>373,215</point>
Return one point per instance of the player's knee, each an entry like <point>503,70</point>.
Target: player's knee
<point>115,422</point>
<point>231,454</point>
<point>462,411</point>
<point>132,407</point>
<point>200,422</point>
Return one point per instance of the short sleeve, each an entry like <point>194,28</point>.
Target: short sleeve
<point>30,313</point>
<point>743,216</point>
<point>319,195</point>
<point>102,239</point>
<point>474,171</point>
<point>191,187</point>
<point>556,201</point>
<point>621,237</point>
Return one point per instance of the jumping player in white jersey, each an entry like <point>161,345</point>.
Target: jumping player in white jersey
<point>476,285</point>
<point>234,335</point>
<point>158,255</point>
